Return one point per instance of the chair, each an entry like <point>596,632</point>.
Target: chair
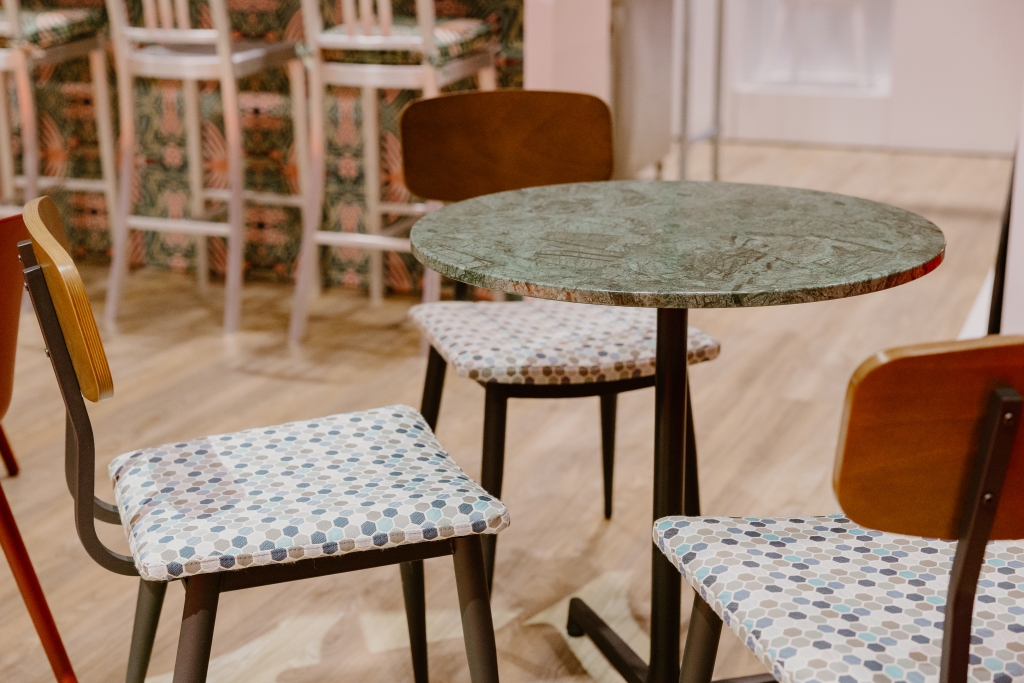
<point>372,52</point>
<point>269,505</point>
<point>461,146</point>
<point>930,475</point>
<point>168,47</point>
<point>31,39</point>
<point>12,230</point>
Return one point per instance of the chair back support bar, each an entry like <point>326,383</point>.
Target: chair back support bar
<point>913,428</point>
<point>164,21</point>
<point>368,26</point>
<point>979,507</point>
<point>462,146</point>
<point>70,301</point>
<point>79,362</point>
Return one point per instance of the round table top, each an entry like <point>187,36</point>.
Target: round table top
<point>677,245</point>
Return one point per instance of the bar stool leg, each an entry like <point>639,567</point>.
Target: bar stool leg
<point>495,413</point>
<point>202,594</point>
<point>197,204</point>
<point>32,594</point>
<point>120,230</point>
<point>29,132</point>
<point>474,603</point>
<point>147,615</point>
<point>8,454</point>
<point>236,219</point>
<point>105,134</point>
<point>371,187</point>
<point>6,143</point>
<point>609,404</point>
<point>312,212</point>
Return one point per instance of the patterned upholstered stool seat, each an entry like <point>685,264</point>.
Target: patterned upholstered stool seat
<point>338,484</point>
<point>548,342</point>
<point>58,26</point>
<point>821,599</point>
<point>452,37</point>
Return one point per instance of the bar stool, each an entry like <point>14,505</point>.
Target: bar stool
<point>374,51</point>
<point>465,145</point>
<point>252,508</point>
<point>12,230</point>
<point>30,39</point>
<point>930,475</point>
<point>168,47</point>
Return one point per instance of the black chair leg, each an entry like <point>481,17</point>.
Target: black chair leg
<point>475,606</point>
<point>193,659</point>
<point>690,481</point>
<point>701,644</point>
<point>416,616</point>
<point>495,412</point>
<point>147,615</point>
<point>430,406</point>
<point>608,408</point>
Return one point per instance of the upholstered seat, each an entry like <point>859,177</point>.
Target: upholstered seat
<point>548,342</point>
<point>46,28</point>
<point>338,484</point>
<point>822,599</point>
<point>453,38</point>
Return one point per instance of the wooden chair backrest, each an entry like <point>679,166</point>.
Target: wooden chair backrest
<point>167,22</point>
<point>911,433</point>
<point>368,25</point>
<point>465,145</point>
<point>50,246</point>
<point>12,231</point>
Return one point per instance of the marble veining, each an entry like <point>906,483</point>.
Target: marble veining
<point>678,245</point>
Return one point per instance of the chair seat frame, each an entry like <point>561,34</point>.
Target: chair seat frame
<point>202,591</point>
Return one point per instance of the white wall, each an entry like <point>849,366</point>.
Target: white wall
<point>956,72</point>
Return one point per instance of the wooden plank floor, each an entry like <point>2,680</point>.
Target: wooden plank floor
<point>767,415</point>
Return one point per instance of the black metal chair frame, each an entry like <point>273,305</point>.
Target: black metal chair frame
<point>202,592</point>
<point>980,504</point>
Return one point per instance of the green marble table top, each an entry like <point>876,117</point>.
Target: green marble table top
<point>678,245</point>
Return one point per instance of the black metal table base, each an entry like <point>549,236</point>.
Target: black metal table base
<point>675,492</point>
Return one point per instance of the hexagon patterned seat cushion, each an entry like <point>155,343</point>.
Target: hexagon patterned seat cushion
<point>337,484</point>
<point>821,599</point>
<point>548,342</point>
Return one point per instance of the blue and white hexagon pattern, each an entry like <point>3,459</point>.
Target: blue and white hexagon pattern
<point>337,484</point>
<point>821,599</point>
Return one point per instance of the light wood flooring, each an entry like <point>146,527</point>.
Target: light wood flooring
<point>767,414</point>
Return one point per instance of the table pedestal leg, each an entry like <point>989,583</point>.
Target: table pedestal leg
<point>670,451</point>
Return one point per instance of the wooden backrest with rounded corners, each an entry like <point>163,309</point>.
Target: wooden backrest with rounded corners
<point>911,432</point>
<point>12,231</point>
<point>465,145</point>
<point>49,244</point>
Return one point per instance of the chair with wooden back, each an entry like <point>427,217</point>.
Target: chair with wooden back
<point>921,578</point>
<point>12,231</point>
<point>461,146</point>
<point>190,509</point>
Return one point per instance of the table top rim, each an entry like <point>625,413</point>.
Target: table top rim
<point>654,298</point>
